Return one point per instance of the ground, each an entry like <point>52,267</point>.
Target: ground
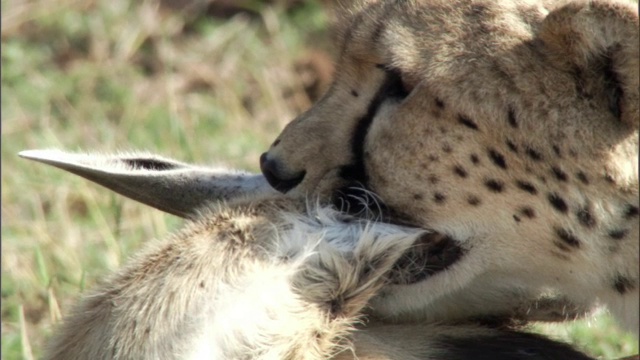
<point>119,75</point>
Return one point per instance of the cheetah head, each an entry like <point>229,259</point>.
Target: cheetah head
<point>507,126</point>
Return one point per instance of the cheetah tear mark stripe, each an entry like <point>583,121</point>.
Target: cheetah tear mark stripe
<point>392,87</point>
<point>353,197</point>
<point>438,252</point>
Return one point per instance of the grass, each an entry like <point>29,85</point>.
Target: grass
<point>118,75</point>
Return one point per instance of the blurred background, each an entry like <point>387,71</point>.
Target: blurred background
<point>202,81</point>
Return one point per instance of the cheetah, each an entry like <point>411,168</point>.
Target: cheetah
<point>455,119</point>
<point>256,275</point>
<point>508,127</point>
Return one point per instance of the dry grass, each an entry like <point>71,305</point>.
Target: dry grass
<point>123,74</point>
<point>117,75</point>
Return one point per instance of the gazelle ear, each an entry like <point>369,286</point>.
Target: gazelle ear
<point>171,186</point>
<point>598,41</point>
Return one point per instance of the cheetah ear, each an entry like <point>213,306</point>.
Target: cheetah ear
<point>171,186</point>
<point>599,36</point>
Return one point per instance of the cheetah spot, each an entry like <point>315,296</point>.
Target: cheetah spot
<point>623,284</point>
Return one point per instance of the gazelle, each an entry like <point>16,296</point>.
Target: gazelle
<point>257,275</point>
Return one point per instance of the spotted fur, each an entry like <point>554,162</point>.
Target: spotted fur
<point>518,127</point>
<point>260,276</point>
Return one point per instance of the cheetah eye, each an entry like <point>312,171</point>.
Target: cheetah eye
<point>396,85</point>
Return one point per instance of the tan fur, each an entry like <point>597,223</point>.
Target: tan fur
<point>247,280</point>
<point>518,138</point>
<point>259,277</point>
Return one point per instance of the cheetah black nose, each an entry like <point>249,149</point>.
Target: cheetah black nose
<point>277,179</point>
